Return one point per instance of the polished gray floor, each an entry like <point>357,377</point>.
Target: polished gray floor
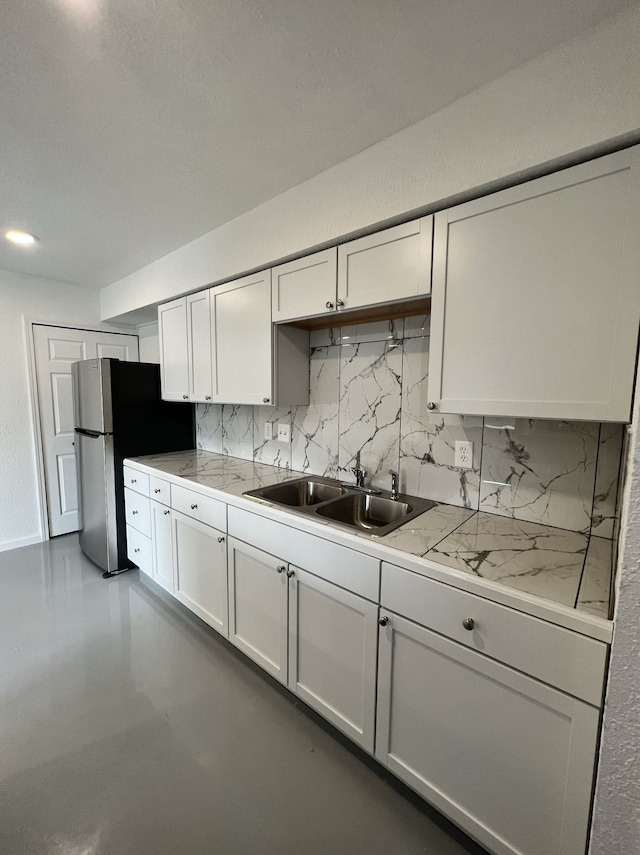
<point>127,727</point>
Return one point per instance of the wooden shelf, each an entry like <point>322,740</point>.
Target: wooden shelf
<point>387,311</point>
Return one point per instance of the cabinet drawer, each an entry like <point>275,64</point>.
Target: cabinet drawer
<point>137,512</point>
<point>565,659</point>
<point>203,508</point>
<point>159,490</point>
<point>138,481</point>
<point>139,550</point>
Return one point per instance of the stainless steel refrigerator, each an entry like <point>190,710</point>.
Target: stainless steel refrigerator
<point>118,414</point>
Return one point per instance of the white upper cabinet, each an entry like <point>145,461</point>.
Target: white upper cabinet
<point>199,346</point>
<point>536,297</point>
<point>185,348</point>
<point>253,362</point>
<point>174,364</point>
<point>306,286</point>
<point>391,265</point>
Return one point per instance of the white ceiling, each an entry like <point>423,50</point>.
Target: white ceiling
<point>129,127</point>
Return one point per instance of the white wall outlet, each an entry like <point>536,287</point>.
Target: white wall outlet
<point>268,430</point>
<point>464,454</point>
<point>284,433</point>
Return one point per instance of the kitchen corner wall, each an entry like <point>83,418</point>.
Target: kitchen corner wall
<point>368,395</point>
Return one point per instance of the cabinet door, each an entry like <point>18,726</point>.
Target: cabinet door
<point>535,297</point>
<point>241,320</point>
<point>258,594</point>
<point>507,758</point>
<point>162,545</point>
<point>200,563</point>
<point>199,346</point>
<point>394,264</point>
<point>174,368</point>
<point>332,653</point>
<point>305,287</point>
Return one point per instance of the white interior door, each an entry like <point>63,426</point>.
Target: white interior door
<point>56,348</point>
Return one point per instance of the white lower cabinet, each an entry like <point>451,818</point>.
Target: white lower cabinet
<point>332,653</point>
<point>162,545</point>
<point>310,634</point>
<point>258,592</point>
<point>506,757</point>
<point>200,570</point>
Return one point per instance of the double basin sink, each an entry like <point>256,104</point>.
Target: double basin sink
<point>371,512</point>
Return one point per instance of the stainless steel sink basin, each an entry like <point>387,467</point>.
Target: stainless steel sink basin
<point>323,498</point>
<point>374,514</point>
<point>300,493</point>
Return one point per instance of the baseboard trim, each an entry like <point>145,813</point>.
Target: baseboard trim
<point>18,544</point>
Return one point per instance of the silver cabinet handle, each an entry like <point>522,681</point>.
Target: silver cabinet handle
<point>135,513</point>
<point>136,549</point>
<point>207,397</point>
<point>383,621</point>
<point>431,405</point>
<point>193,507</point>
<point>280,568</point>
<point>468,623</point>
<point>221,540</point>
<point>291,572</point>
<point>266,400</point>
<point>157,490</point>
<point>329,305</point>
<point>166,512</point>
<point>133,481</point>
<point>339,303</point>
<point>185,397</point>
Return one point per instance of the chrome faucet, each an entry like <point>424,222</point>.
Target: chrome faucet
<point>394,484</point>
<point>359,472</point>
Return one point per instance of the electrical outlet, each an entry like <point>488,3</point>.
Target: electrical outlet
<point>284,433</point>
<point>268,430</point>
<point>464,454</point>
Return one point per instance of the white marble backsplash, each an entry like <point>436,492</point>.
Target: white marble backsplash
<point>368,395</point>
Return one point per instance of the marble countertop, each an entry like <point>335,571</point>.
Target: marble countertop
<point>559,566</point>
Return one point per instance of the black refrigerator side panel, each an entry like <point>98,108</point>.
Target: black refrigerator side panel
<point>143,424</point>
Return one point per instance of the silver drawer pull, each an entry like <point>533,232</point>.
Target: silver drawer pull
<point>133,481</point>
<point>291,573</point>
<point>136,549</point>
<point>280,568</point>
<point>185,397</point>
<point>468,623</point>
<point>221,540</point>
<point>157,490</point>
<point>193,507</point>
<point>329,304</point>
<point>383,621</point>
<point>135,513</point>
<point>166,512</point>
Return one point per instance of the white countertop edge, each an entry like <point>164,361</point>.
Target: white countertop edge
<point>581,622</point>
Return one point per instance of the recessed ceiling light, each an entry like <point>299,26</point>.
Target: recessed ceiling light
<point>20,237</point>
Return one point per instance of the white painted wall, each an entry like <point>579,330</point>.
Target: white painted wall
<point>35,299</point>
<point>573,97</point>
<point>149,342</point>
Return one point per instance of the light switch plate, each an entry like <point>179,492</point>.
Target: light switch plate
<point>463,454</point>
<point>268,430</point>
<point>284,433</point>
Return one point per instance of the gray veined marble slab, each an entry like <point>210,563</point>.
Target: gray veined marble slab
<point>595,587</point>
<point>541,471</point>
<point>607,474</point>
<point>370,400</point>
<point>209,427</point>
<point>427,441</point>
<point>314,433</point>
<point>424,532</point>
<point>417,325</point>
<point>271,451</point>
<point>533,558</point>
<point>237,430</point>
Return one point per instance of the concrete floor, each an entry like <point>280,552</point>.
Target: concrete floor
<point>127,727</point>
